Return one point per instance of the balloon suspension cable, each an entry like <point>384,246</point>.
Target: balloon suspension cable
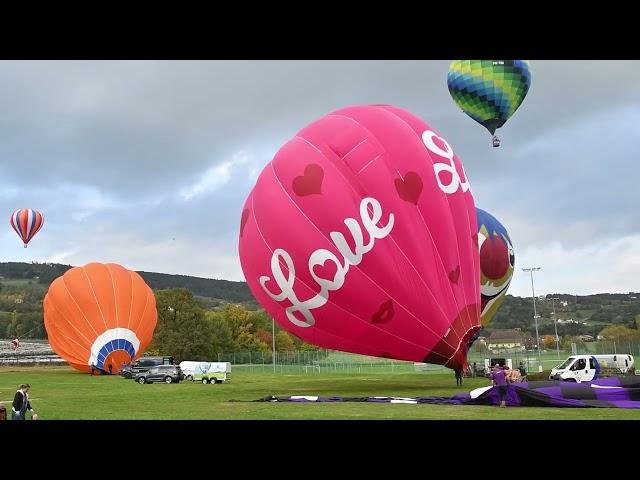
<point>27,333</point>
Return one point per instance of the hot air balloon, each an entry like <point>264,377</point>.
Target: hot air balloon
<point>497,262</point>
<point>15,343</point>
<point>360,235</point>
<point>26,223</point>
<point>99,316</point>
<point>489,91</point>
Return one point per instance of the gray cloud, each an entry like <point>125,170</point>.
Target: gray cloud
<point>125,156</point>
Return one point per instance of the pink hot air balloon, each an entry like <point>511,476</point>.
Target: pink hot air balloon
<point>361,236</point>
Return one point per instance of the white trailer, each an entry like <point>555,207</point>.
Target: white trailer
<point>206,372</point>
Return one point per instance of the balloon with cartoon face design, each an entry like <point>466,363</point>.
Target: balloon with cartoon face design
<point>360,235</point>
<point>497,262</point>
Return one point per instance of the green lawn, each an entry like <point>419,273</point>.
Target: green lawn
<point>62,393</point>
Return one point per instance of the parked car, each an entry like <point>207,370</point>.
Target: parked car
<point>160,373</point>
<point>144,364</point>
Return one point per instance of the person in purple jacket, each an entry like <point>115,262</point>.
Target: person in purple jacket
<point>499,378</point>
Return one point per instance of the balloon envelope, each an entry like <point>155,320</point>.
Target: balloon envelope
<point>360,235</point>
<point>489,91</point>
<point>99,315</point>
<point>26,223</point>
<point>497,261</point>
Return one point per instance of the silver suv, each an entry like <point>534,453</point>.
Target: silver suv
<point>160,373</point>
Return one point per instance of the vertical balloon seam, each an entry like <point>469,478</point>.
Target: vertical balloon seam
<point>148,326</point>
<point>114,333</point>
<point>339,307</point>
<point>59,331</point>
<point>451,223</point>
<point>131,286</point>
<point>77,306</point>
<point>37,225</point>
<point>29,223</point>
<point>471,250</point>
<point>141,317</point>
<point>89,342</point>
<point>68,352</point>
<point>23,225</point>
<point>95,298</point>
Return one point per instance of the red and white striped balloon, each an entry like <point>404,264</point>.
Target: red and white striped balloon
<point>26,223</point>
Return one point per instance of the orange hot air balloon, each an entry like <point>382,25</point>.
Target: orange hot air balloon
<point>99,316</point>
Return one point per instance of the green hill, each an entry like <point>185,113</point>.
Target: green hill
<point>23,286</point>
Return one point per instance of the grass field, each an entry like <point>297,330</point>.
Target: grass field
<point>62,393</point>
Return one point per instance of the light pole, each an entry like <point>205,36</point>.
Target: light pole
<point>535,313</point>
<point>273,343</point>
<point>555,324</point>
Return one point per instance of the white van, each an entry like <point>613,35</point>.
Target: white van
<point>206,372</point>
<point>584,368</point>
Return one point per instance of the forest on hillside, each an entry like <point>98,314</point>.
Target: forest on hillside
<point>24,285</point>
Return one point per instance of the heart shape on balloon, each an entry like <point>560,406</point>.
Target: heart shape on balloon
<point>310,183</point>
<point>410,188</point>
<point>454,275</point>
<point>327,270</point>
<point>384,314</point>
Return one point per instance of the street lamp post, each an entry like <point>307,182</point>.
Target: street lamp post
<point>535,313</point>
<point>555,324</point>
<point>273,343</point>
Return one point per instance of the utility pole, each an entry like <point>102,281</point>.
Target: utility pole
<point>535,313</point>
<point>555,324</point>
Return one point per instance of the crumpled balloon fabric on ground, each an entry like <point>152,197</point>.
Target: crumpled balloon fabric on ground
<point>607,393</point>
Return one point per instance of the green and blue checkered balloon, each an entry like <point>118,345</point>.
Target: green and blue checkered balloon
<point>489,91</point>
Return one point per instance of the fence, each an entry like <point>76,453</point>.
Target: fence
<point>315,361</point>
<point>329,361</point>
<point>311,362</point>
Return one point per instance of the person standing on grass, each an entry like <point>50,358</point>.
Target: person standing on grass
<point>458,376</point>
<point>21,403</point>
<point>499,378</point>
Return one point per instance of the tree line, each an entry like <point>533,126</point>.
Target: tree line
<point>231,320</point>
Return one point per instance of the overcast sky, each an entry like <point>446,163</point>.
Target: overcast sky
<point>148,163</point>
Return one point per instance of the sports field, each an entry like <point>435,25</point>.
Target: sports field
<point>62,393</point>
